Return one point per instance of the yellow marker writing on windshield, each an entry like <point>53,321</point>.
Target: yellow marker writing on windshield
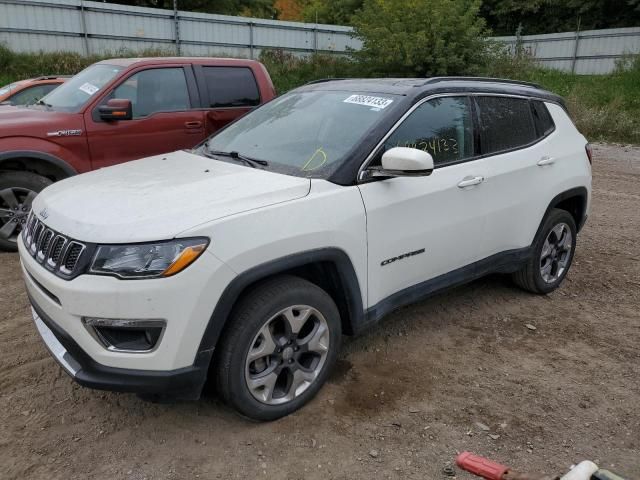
<point>309,165</point>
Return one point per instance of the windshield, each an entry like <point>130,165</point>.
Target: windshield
<point>72,95</point>
<point>306,134</point>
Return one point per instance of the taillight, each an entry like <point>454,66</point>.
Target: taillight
<point>589,151</point>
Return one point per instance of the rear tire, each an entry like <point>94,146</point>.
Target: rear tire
<point>553,250</point>
<point>281,343</point>
<point>17,191</point>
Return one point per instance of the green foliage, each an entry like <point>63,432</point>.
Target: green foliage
<point>604,107</point>
<point>418,38</point>
<point>256,8</point>
<point>500,62</point>
<point>290,71</point>
<point>548,16</point>
<point>336,12</point>
<point>502,16</point>
<point>18,66</point>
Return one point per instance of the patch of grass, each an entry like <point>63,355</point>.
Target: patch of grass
<point>289,71</point>
<point>18,66</point>
<point>604,107</point>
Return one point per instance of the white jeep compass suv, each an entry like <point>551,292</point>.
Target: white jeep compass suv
<point>247,258</point>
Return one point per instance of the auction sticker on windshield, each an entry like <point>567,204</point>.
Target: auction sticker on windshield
<point>88,88</point>
<point>369,101</point>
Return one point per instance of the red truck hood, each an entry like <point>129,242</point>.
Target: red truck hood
<point>37,122</point>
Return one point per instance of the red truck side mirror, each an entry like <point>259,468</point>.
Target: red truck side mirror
<point>116,109</point>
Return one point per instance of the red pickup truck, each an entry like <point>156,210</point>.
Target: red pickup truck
<point>115,111</point>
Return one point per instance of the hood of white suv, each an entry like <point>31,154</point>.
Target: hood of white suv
<point>158,197</point>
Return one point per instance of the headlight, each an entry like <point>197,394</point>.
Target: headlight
<point>147,260</point>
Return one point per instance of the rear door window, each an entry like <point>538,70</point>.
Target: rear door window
<point>542,118</point>
<point>231,87</point>
<point>506,123</point>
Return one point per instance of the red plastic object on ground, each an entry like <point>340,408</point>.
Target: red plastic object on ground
<point>481,466</point>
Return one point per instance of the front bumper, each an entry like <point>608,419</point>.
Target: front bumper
<point>184,383</point>
<point>184,301</point>
<point>176,367</point>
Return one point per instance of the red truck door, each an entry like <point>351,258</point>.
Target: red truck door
<point>227,92</point>
<point>166,117</point>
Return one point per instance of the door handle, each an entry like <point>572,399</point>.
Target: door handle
<point>546,161</point>
<point>470,182</point>
<point>193,124</point>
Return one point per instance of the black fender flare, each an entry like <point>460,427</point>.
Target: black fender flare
<point>572,192</point>
<point>46,157</point>
<point>230,295</point>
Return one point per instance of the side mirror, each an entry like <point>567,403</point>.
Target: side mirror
<point>404,162</point>
<point>116,109</point>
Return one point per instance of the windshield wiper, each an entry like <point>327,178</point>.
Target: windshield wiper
<point>253,162</point>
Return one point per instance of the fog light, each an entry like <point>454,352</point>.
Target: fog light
<point>126,335</point>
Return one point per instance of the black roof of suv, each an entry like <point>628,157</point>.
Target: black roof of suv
<point>416,88</point>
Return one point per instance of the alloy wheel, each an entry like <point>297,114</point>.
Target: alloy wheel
<point>15,205</point>
<point>556,252</point>
<point>287,354</point>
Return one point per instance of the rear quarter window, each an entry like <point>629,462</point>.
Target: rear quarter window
<point>542,118</point>
<point>506,123</point>
<point>231,87</point>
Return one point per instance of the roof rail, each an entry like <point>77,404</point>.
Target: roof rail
<point>481,79</point>
<point>323,80</point>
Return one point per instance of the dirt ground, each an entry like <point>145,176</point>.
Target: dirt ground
<point>406,397</point>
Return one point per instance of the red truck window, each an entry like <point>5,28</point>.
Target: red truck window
<point>31,95</point>
<point>231,87</point>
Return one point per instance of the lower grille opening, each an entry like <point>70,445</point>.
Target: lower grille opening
<point>140,339</point>
<point>126,335</point>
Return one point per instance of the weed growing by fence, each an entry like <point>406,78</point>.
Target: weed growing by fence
<point>18,66</point>
<point>604,107</point>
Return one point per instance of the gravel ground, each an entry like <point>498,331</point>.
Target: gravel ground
<point>461,371</point>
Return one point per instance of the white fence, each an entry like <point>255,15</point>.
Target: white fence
<point>587,52</point>
<point>96,27</point>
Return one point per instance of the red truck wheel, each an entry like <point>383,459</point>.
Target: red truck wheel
<point>17,191</point>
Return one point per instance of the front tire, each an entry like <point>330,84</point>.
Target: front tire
<point>553,251</point>
<point>17,191</point>
<point>282,341</point>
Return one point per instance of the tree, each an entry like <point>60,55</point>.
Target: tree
<point>258,8</point>
<point>549,16</point>
<point>290,10</point>
<point>336,12</point>
<point>420,38</point>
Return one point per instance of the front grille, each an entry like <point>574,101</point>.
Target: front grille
<point>55,251</point>
<point>43,243</point>
<point>73,254</point>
